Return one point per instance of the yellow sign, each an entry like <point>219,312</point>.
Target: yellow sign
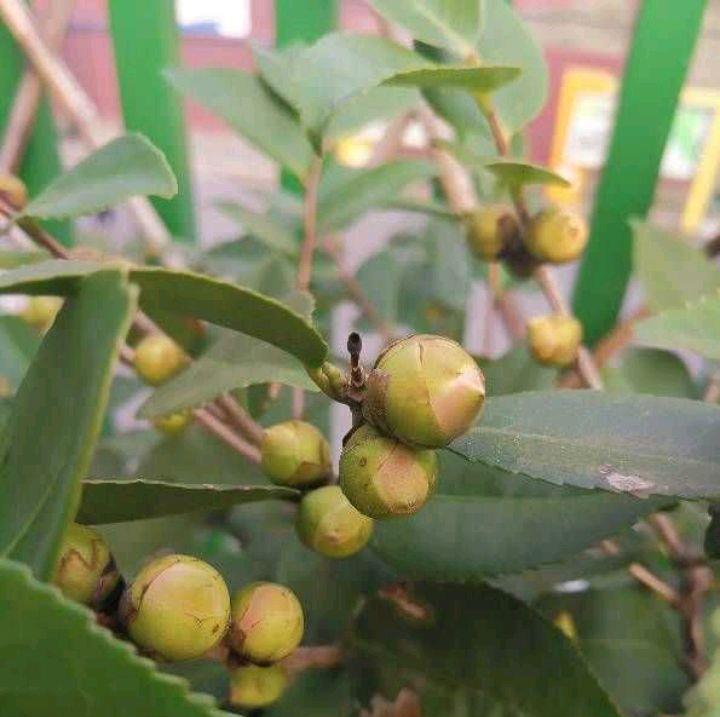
<point>584,121</point>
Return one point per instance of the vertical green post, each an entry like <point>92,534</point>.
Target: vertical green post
<point>302,22</point>
<point>662,46</point>
<point>146,41</point>
<point>41,162</point>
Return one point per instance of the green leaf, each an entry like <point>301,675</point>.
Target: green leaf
<point>450,264</point>
<point>484,522</point>
<point>118,501</point>
<point>234,362</point>
<point>695,328</point>
<point>486,78</point>
<point>519,174</point>
<point>453,24</point>
<point>72,666</point>
<point>366,189</point>
<point>188,294</point>
<point>631,641</point>
<point>348,65</point>
<point>379,277</point>
<point>671,271</point>
<point>264,227</point>
<point>57,417</point>
<point>506,41</point>
<point>250,108</point>
<point>124,168</point>
<point>320,693</point>
<point>642,445</point>
<point>514,372</point>
<point>659,373</point>
<point>483,639</point>
<point>18,344</point>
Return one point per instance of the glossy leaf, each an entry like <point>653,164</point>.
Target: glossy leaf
<point>670,270</point>
<point>118,501</point>
<point>124,168</point>
<point>234,362</point>
<point>659,373</point>
<point>484,522</point>
<point>264,227</point>
<point>520,174</point>
<point>18,344</point>
<point>631,641</point>
<point>514,372</point>
<point>455,24</point>
<point>366,189</point>
<point>349,65</point>
<point>695,328</point>
<point>506,40</point>
<point>635,444</point>
<point>483,639</point>
<point>59,661</point>
<point>486,78</point>
<point>188,294</point>
<point>246,104</point>
<point>56,420</point>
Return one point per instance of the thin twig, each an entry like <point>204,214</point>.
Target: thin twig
<point>76,103</point>
<point>227,435</point>
<point>29,92</point>
<point>712,391</point>
<point>241,419</point>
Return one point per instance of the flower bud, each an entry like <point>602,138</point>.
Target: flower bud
<point>328,523</point>
<point>158,358</point>
<point>13,191</point>
<point>174,423</point>
<point>554,340</point>
<point>556,236</point>
<point>40,311</point>
<point>267,622</point>
<point>253,687</point>
<point>425,391</point>
<point>487,229</point>
<point>295,453</point>
<point>383,478</point>
<point>177,608</point>
<point>85,570</point>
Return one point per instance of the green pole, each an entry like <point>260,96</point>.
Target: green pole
<point>41,161</point>
<point>302,22</point>
<point>146,41</point>
<point>662,46</point>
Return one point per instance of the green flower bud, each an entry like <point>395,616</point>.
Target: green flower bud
<point>158,358</point>
<point>382,477</point>
<point>487,229</point>
<point>253,687</point>
<point>174,423</point>
<point>13,191</point>
<point>85,570</point>
<point>425,391</point>
<point>295,453</point>
<point>177,608</point>
<point>554,340</point>
<point>267,622</point>
<point>556,236</point>
<point>330,525</point>
<point>40,311</point>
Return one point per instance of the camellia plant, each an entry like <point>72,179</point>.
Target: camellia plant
<point>211,504</point>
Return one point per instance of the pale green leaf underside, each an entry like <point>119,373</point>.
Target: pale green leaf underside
<point>118,501</point>
<point>485,78</point>
<point>518,174</point>
<point>270,231</point>
<point>235,361</point>
<point>126,167</point>
<point>695,328</point>
<point>671,271</point>
<point>184,293</point>
<point>58,661</point>
<point>57,416</point>
<point>633,444</point>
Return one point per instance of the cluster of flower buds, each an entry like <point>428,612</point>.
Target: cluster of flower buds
<point>179,608</point>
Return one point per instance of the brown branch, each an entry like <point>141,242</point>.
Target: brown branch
<point>241,419</point>
<point>322,657</point>
<point>76,103</point>
<point>712,390</point>
<point>227,435</point>
<point>27,97</point>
